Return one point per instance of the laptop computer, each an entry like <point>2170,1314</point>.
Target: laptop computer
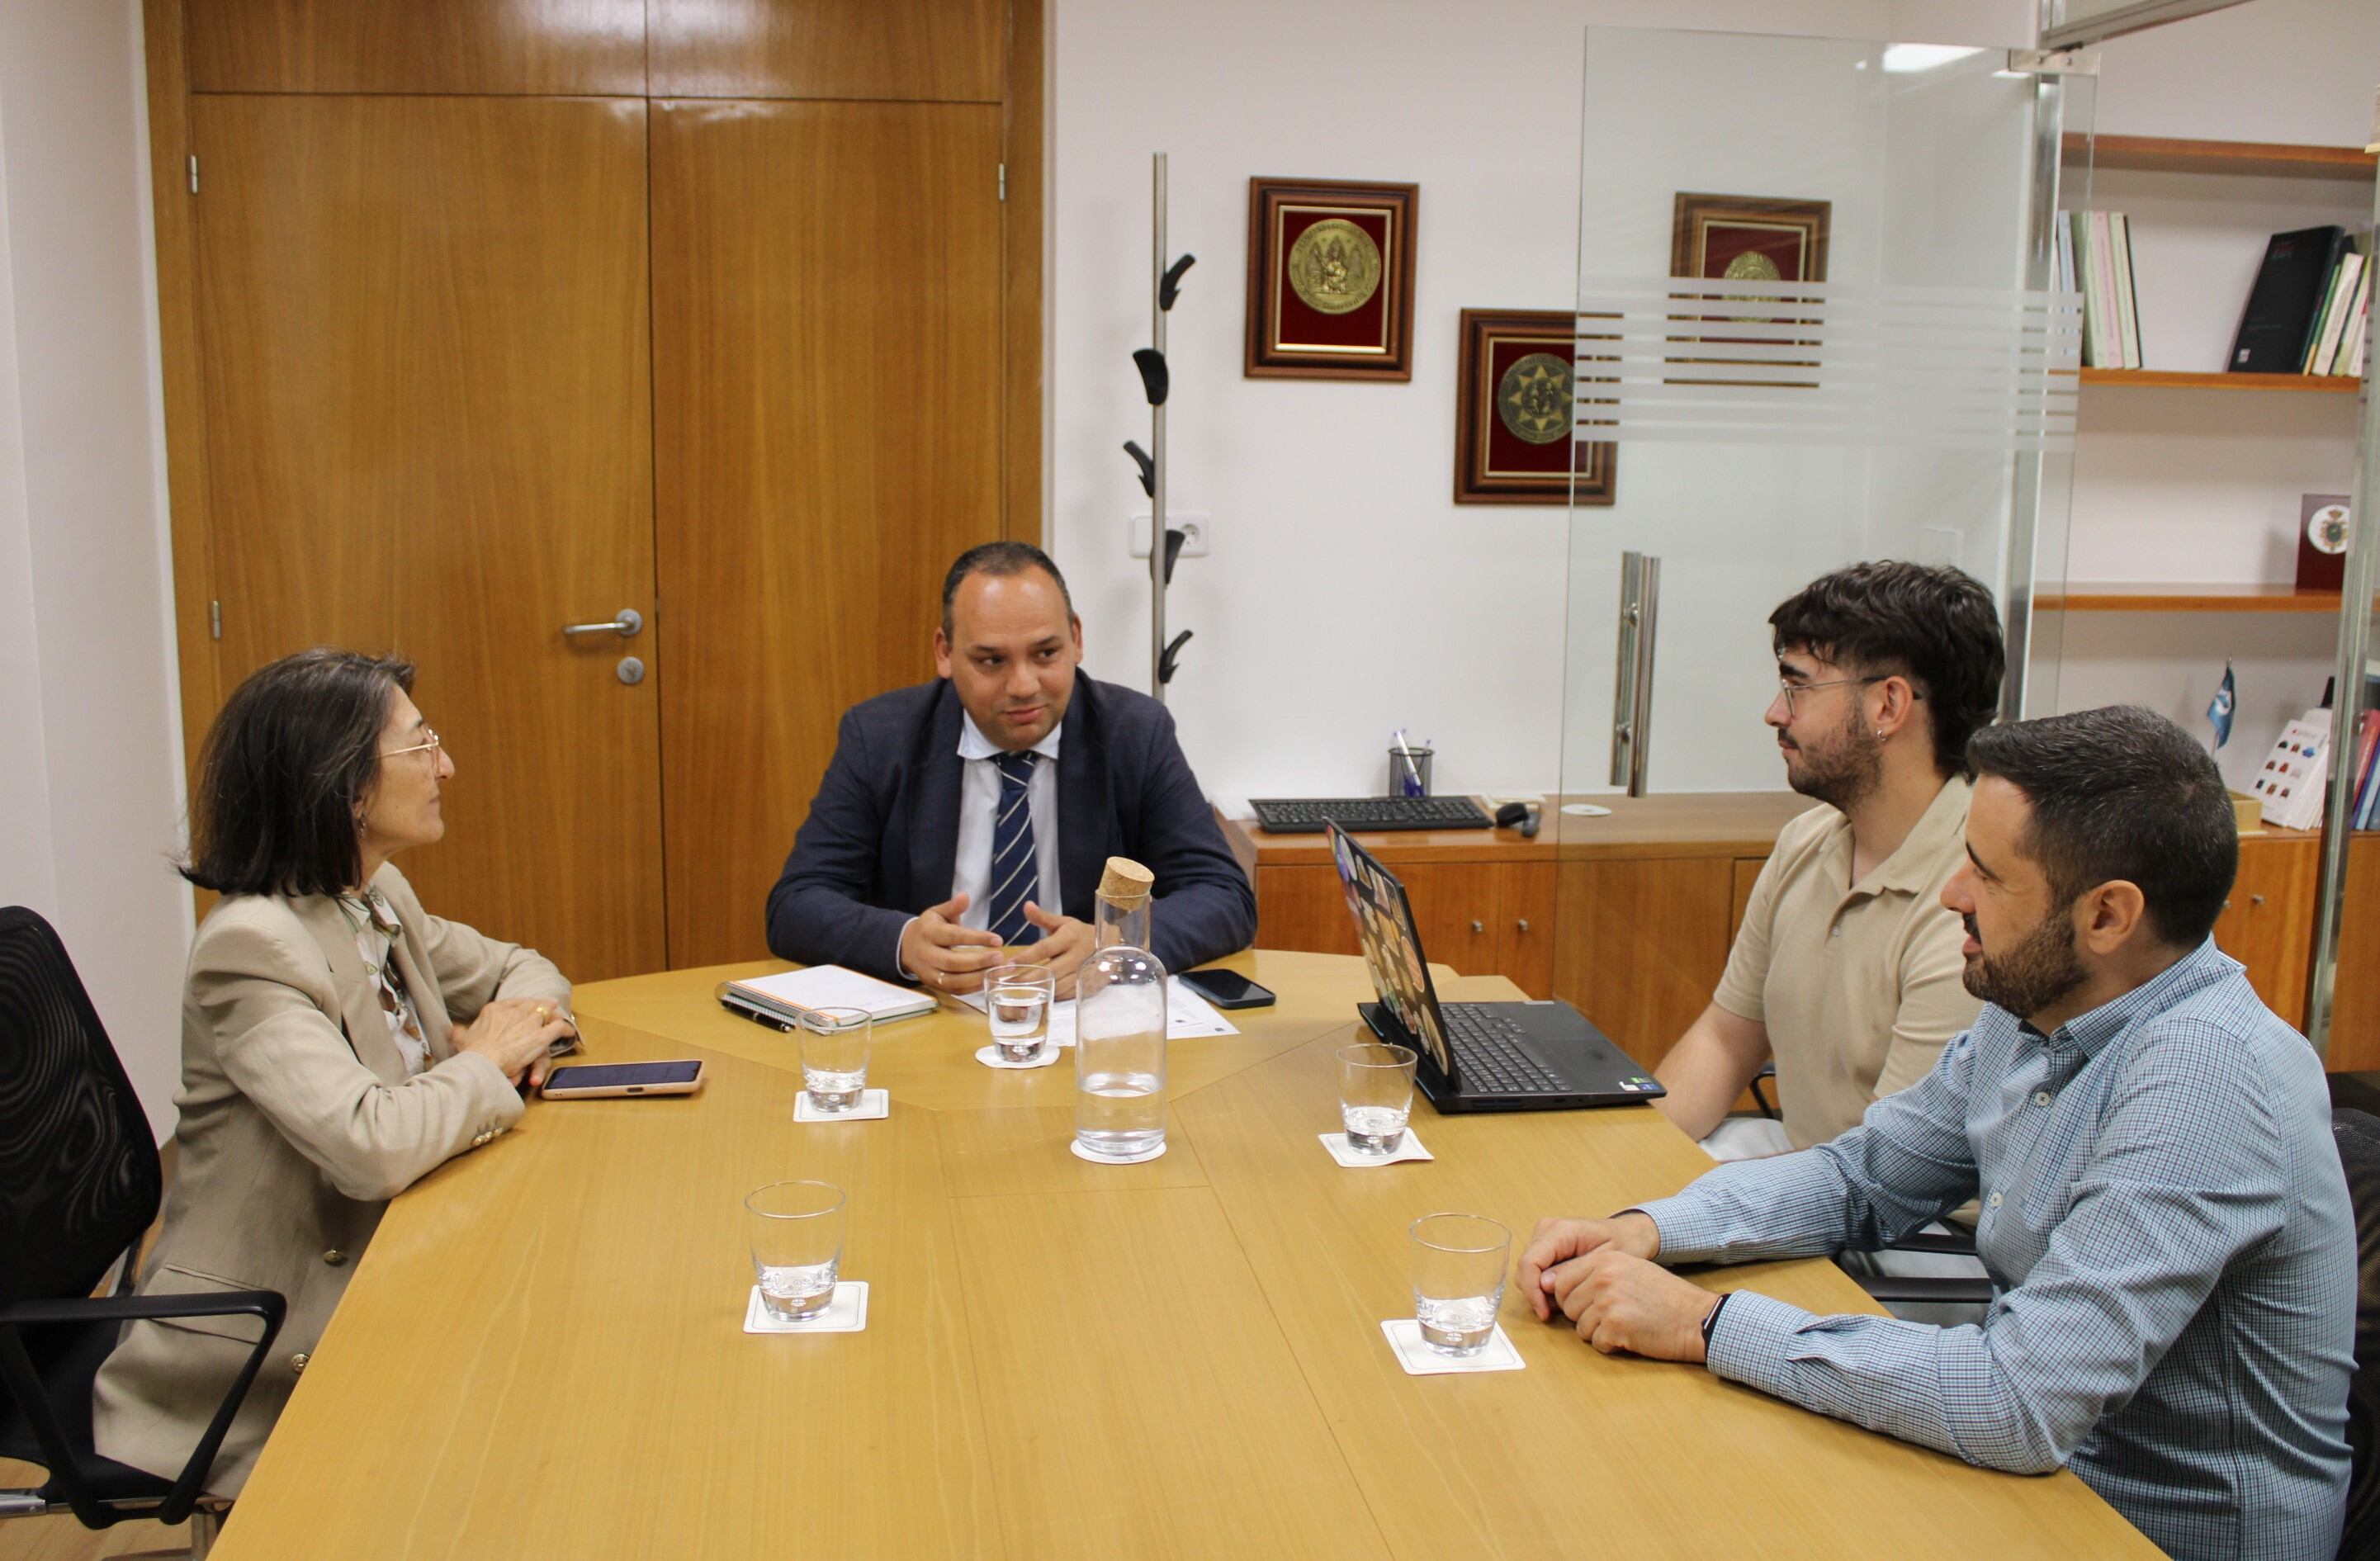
<point>1529,1056</point>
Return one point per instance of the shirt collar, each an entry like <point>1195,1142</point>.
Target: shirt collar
<point>1915,867</point>
<point>2165,989</point>
<point>974,744</point>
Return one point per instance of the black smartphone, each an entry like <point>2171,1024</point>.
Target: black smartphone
<point>1227,988</point>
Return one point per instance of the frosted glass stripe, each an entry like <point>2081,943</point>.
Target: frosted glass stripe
<point>1684,359</point>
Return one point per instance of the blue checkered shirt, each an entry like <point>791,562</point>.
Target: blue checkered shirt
<point>2171,1250</point>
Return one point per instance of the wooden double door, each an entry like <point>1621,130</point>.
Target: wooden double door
<point>469,368</point>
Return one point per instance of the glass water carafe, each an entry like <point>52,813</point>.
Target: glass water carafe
<point>1120,1054</point>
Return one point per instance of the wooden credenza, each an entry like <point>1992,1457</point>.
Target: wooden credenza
<point>1630,916</point>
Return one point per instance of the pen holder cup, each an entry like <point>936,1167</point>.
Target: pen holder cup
<point>1409,772</point>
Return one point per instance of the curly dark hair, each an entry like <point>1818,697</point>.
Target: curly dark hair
<point>289,760</point>
<point>1934,625</point>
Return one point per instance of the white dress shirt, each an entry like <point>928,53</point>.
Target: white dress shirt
<point>979,810</point>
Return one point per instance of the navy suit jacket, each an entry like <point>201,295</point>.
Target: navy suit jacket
<point>882,840</point>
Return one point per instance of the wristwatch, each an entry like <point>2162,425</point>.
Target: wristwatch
<point>1710,1320</point>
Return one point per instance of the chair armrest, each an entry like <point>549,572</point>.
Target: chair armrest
<point>1767,1071</point>
<point>1955,1244</point>
<point>1892,1287</point>
<point>16,1372</point>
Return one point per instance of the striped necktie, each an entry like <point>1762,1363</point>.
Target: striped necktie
<point>1015,871</point>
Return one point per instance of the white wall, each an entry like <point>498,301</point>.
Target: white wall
<point>2197,486</point>
<point>1347,594</point>
<point>90,743</point>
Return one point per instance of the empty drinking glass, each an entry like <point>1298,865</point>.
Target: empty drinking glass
<point>1458,1279</point>
<point>797,1230</point>
<point>1376,1085</point>
<point>1019,998</point>
<point>834,1057</point>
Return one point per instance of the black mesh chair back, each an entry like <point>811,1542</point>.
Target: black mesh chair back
<point>2358,1136</point>
<point>78,1172</point>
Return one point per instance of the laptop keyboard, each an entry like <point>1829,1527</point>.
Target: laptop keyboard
<point>1488,1055</point>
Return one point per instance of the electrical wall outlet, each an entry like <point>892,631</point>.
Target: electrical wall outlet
<point>1197,528</point>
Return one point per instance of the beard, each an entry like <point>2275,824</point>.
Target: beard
<point>2042,968</point>
<point>1840,770</point>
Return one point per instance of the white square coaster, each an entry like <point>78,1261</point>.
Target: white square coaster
<point>1410,1149</point>
<point>874,1104</point>
<point>846,1314</point>
<point>1080,1153</point>
<point>990,1057</point>
<point>1420,1360</point>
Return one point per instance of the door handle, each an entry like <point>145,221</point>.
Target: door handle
<point>626,625</point>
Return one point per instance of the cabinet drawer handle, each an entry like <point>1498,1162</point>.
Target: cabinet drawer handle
<point>2255,900</point>
<point>1523,924</point>
<point>1478,926</point>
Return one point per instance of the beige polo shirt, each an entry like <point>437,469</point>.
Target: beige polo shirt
<point>1858,983</point>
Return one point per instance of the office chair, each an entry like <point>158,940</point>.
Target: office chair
<point>1953,1243</point>
<point>2357,1134</point>
<point>80,1184</point>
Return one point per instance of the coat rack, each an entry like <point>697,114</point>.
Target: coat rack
<point>1164,541</point>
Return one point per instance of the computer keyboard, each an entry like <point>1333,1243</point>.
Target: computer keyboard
<point>1308,816</point>
<point>1487,1053</point>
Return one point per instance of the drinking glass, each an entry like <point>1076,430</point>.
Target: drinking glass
<point>1459,1262</point>
<point>796,1230</point>
<point>1376,1085</point>
<point>834,1057</point>
<point>1018,999</point>
<point>1120,1054</point>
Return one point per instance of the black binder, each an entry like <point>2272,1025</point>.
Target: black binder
<point>2285,302</point>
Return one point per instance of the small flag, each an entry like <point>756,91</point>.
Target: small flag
<point>2220,712</point>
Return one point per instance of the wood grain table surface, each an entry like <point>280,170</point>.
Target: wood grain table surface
<point>541,1352</point>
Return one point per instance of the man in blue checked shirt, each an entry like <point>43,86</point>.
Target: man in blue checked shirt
<point>2163,1212</point>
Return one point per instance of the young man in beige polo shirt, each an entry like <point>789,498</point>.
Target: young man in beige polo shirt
<point>1846,969</point>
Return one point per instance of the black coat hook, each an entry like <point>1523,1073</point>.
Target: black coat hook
<point>1147,466</point>
<point>1153,377</point>
<point>1171,288</point>
<point>1165,663</point>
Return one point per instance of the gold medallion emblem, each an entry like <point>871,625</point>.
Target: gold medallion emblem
<point>1532,398</point>
<point>1334,266</point>
<point>2327,529</point>
<point>1752,266</point>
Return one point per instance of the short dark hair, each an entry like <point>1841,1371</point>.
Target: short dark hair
<point>999,558</point>
<point>285,769</point>
<point>1932,624</point>
<point>2122,793</point>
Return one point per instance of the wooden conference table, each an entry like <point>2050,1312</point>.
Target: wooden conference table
<point>542,1353</point>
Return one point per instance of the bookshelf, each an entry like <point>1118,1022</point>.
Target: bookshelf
<point>2173,379</point>
<point>2167,155</point>
<point>2153,597</point>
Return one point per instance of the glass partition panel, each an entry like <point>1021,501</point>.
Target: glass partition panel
<point>1817,325</point>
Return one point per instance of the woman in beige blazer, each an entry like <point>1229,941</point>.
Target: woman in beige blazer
<point>339,1043</point>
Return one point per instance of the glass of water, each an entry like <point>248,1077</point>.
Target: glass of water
<point>834,1057</point>
<point>1459,1261</point>
<point>1376,1085</point>
<point>1019,998</point>
<point>797,1230</point>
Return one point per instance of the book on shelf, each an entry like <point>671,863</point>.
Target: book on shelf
<point>2278,328</point>
<point>2365,793</point>
<point>2094,258</point>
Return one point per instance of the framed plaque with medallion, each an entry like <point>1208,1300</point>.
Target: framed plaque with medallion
<point>1330,275</point>
<point>1513,413</point>
<point>1745,238</point>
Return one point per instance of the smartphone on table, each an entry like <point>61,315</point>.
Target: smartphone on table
<point>1227,988</point>
<point>601,1080</point>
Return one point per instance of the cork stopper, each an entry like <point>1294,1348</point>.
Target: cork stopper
<point>1125,880</point>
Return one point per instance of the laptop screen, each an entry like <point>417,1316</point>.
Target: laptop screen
<point>1384,921</point>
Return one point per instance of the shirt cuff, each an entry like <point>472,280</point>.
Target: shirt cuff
<point>898,968</point>
<point>1752,1341</point>
<point>1688,1234</point>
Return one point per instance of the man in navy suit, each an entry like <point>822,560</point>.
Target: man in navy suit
<point>978,810</point>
